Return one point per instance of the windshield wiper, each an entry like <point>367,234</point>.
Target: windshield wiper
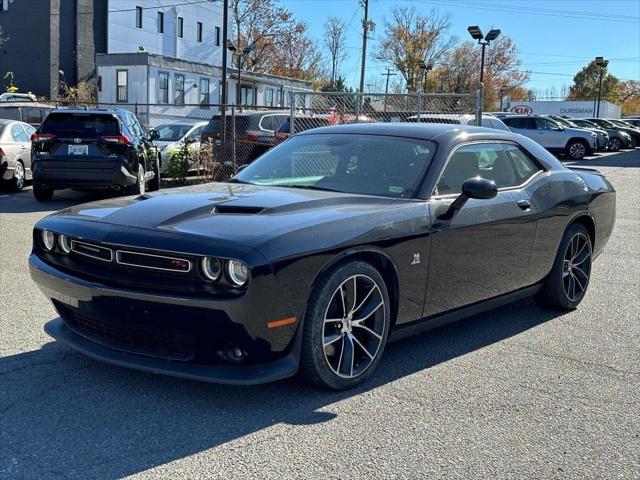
<point>309,187</point>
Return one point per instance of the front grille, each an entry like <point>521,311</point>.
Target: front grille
<point>152,261</point>
<point>143,340</point>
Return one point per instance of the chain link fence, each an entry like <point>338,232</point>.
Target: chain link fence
<point>200,142</point>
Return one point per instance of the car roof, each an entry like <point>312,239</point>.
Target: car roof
<point>97,111</point>
<point>424,131</point>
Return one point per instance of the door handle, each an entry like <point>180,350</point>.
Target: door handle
<point>524,204</point>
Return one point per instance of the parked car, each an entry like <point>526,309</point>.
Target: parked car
<point>632,132</point>
<point>17,97</point>
<point>322,250</point>
<point>573,142</point>
<point>488,121</point>
<point>635,122</point>
<point>254,134</point>
<point>15,152</point>
<point>175,137</point>
<point>617,138</point>
<point>300,124</point>
<point>93,149</point>
<point>602,135</point>
<point>31,113</point>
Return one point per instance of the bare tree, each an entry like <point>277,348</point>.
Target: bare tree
<point>296,56</point>
<point>410,37</point>
<point>335,40</point>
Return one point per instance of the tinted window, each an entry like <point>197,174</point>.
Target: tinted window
<point>171,133</point>
<point>12,113</point>
<point>513,122</point>
<point>18,134</point>
<point>267,123</point>
<point>546,124</point>
<point>367,164</point>
<point>83,125</point>
<point>506,165</point>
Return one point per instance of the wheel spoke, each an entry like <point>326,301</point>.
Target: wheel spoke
<point>581,272</point>
<point>347,357</point>
<point>344,306</point>
<point>573,258</point>
<point>332,320</point>
<point>368,330</point>
<point>341,355</point>
<point>355,339</point>
<point>358,321</point>
<point>577,281</point>
<point>331,339</point>
<point>361,304</point>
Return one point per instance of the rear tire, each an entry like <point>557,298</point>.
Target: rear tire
<point>154,183</point>
<point>566,284</point>
<point>42,193</point>
<point>615,144</point>
<point>577,149</point>
<point>346,326</point>
<point>139,187</point>
<point>19,177</point>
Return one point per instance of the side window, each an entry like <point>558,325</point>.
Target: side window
<point>525,167</point>
<point>545,124</point>
<point>267,122</point>
<point>513,122</point>
<point>18,134</point>
<point>29,129</point>
<point>133,125</point>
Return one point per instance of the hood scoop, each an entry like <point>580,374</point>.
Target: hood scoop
<point>235,210</point>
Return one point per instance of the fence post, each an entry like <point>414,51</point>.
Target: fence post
<point>479,102</point>
<point>357,106</point>
<point>233,139</point>
<point>418,106</point>
<point>292,112</point>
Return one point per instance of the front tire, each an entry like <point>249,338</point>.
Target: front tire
<point>346,326</point>
<point>615,144</point>
<point>154,183</point>
<point>577,149</point>
<point>41,193</point>
<point>566,285</point>
<point>139,188</point>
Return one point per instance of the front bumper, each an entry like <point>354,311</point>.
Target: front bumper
<point>73,296</point>
<point>55,174</point>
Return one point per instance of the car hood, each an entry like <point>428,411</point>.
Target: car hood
<point>249,215</point>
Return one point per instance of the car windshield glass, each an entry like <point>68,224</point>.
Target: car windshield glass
<point>351,163</point>
<point>171,133</point>
<point>620,123</point>
<point>605,123</point>
<point>83,125</point>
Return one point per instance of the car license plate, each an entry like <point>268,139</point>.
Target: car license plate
<point>78,149</point>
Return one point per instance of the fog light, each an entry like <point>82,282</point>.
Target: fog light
<point>48,240</point>
<point>238,272</point>
<point>211,268</point>
<point>64,243</point>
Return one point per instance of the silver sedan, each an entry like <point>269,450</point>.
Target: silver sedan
<point>15,152</point>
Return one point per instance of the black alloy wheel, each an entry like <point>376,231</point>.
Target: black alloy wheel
<point>346,326</point>
<point>566,285</point>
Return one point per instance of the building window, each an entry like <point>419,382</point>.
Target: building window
<point>122,85</point>
<point>268,97</point>
<point>163,87</point>
<point>204,92</point>
<point>180,27</point>
<point>4,5</point>
<point>217,36</point>
<point>199,31</point>
<point>179,100</point>
<point>160,22</point>
<point>246,96</point>
<point>138,17</point>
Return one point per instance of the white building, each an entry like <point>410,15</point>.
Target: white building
<point>578,109</point>
<point>163,61</point>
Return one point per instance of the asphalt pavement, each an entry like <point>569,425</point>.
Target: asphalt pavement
<point>519,392</point>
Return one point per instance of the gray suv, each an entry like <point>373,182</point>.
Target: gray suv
<point>573,142</point>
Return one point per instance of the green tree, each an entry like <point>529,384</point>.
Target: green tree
<point>585,84</point>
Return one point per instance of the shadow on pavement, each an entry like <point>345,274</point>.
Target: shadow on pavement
<point>64,414</point>
<point>630,158</point>
<point>24,202</point>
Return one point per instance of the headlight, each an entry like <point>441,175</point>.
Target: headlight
<point>211,268</point>
<point>64,243</point>
<point>594,134</point>
<point>48,240</point>
<point>238,272</point>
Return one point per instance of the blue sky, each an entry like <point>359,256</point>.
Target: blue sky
<point>556,40</point>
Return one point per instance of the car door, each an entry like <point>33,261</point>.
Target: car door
<point>550,133</point>
<point>26,148</point>
<point>484,250</point>
<point>18,146</point>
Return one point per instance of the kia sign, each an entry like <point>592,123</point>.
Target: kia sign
<point>522,109</point>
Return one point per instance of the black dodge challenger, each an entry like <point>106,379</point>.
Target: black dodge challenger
<point>314,256</point>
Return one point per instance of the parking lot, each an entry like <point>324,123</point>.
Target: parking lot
<point>519,392</point>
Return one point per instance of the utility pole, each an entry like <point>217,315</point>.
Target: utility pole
<point>225,38</point>
<point>386,85</point>
<point>365,31</point>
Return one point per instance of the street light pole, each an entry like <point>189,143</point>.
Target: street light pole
<point>602,63</point>
<point>365,32</point>
<point>483,40</point>
<point>502,90</point>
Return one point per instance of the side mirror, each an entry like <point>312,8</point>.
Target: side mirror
<point>153,134</point>
<point>479,188</point>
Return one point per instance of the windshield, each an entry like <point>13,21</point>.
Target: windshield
<point>604,123</point>
<point>351,163</point>
<point>620,123</point>
<point>84,125</point>
<point>171,133</point>
<point>562,121</point>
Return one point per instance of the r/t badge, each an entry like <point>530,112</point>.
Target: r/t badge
<point>416,259</point>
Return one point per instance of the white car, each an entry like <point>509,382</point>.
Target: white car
<point>15,152</point>
<point>574,142</point>
<point>175,136</point>
<point>488,121</point>
<point>18,97</point>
